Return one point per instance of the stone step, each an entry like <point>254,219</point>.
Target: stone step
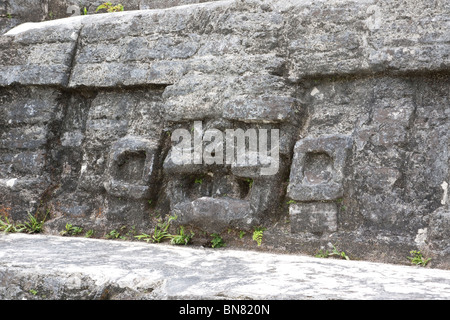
<point>53,267</point>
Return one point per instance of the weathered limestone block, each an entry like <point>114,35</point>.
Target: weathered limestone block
<point>358,91</point>
<point>215,215</point>
<point>27,117</point>
<point>109,155</point>
<point>400,138</point>
<point>38,56</point>
<point>130,168</point>
<point>316,217</point>
<point>15,12</point>
<point>367,36</point>
<point>245,186</point>
<point>318,168</point>
<point>439,230</point>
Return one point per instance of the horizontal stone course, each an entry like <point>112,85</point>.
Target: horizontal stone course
<point>68,268</point>
<point>161,47</point>
<point>357,90</point>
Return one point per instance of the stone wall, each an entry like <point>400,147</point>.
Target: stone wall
<point>15,12</point>
<point>359,91</point>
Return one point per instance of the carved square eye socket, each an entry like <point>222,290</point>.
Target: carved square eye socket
<point>131,165</point>
<point>318,168</point>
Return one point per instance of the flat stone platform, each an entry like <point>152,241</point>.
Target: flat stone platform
<point>52,267</point>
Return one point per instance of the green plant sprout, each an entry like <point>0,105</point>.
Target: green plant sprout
<point>109,7</point>
<point>217,241</point>
<point>113,234</point>
<point>161,228</point>
<point>418,259</point>
<point>160,232</point>
<point>7,226</point>
<point>32,226</point>
<point>144,236</point>
<point>334,252</point>
<point>258,235</point>
<point>71,230</point>
<point>182,237</point>
<point>130,233</point>
<point>89,233</point>
<point>338,253</point>
<point>322,254</point>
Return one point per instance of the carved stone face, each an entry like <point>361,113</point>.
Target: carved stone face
<point>216,196</point>
<point>223,194</point>
<point>317,174</point>
<point>131,167</point>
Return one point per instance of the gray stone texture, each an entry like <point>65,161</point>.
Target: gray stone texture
<point>358,89</point>
<point>90,269</point>
<point>15,12</point>
<point>317,218</point>
<point>318,168</point>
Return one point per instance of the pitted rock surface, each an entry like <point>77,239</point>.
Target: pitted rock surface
<point>79,268</point>
<point>359,92</point>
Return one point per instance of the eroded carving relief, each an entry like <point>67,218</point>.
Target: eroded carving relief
<point>360,102</point>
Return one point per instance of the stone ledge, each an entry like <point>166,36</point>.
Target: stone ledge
<point>162,46</point>
<point>78,268</point>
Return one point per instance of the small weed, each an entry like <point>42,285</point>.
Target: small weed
<point>113,234</point>
<point>217,241</point>
<point>132,232</point>
<point>89,233</point>
<point>9,16</point>
<point>322,254</point>
<point>418,259</point>
<point>34,225</point>
<point>338,253</point>
<point>334,252</point>
<point>258,235</point>
<point>7,226</point>
<point>250,182</point>
<point>199,181</point>
<point>33,292</point>
<point>160,233</point>
<point>182,237</point>
<point>161,228</point>
<point>85,12</point>
<point>291,202</point>
<point>109,7</point>
<point>144,236</point>
<point>71,230</point>
<point>241,234</point>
